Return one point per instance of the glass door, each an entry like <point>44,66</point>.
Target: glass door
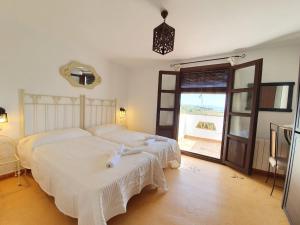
<point>167,104</point>
<point>241,116</point>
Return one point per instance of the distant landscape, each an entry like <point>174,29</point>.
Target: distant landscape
<point>198,110</point>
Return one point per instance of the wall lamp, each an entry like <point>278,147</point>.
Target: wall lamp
<point>122,112</point>
<point>3,116</point>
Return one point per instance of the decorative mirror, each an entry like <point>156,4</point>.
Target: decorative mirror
<point>80,75</point>
<point>276,96</point>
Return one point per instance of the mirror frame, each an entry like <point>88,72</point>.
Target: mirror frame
<point>290,96</point>
<point>65,72</point>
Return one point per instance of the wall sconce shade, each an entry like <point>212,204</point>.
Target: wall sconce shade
<point>122,111</point>
<point>3,116</point>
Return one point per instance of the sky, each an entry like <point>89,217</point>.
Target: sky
<point>211,100</point>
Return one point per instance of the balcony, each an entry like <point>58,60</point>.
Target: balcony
<point>201,134</point>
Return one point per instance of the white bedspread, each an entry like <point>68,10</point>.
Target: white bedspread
<point>166,151</point>
<point>74,172</point>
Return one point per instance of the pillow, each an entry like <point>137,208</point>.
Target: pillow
<point>104,129</point>
<point>54,136</point>
<point>27,144</point>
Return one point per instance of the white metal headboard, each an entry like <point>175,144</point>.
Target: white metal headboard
<point>39,113</point>
<point>99,112</point>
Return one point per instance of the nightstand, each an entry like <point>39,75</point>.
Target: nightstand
<point>10,160</point>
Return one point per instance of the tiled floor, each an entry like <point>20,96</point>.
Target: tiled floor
<point>201,146</point>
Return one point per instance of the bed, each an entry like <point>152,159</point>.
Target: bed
<point>70,164</point>
<point>100,119</point>
<point>165,149</point>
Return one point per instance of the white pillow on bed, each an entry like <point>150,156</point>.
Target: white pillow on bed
<point>27,144</point>
<point>104,129</point>
<point>54,136</point>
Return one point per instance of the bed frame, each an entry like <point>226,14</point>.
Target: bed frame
<point>99,111</point>
<point>40,113</point>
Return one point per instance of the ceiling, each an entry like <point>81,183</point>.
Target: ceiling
<point>121,30</point>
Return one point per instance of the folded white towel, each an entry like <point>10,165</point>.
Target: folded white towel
<point>130,151</point>
<point>150,141</point>
<point>159,138</point>
<point>121,149</point>
<point>156,138</point>
<point>150,137</point>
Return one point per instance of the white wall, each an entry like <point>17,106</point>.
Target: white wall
<point>142,97</point>
<point>280,64</point>
<point>30,59</point>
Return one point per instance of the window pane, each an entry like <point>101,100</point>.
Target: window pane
<point>167,100</point>
<point>166,118</point>
<point>168,82</point>
<point>244,78</point>
<point>242,102</point>
<point>239,126</point>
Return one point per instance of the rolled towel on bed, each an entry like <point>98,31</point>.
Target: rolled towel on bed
<point>131,151</point>
<point>113,160</point>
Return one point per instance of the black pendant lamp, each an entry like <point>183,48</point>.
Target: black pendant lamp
<point>163,36</point>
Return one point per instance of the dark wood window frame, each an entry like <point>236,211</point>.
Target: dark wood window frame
<point>290,96</point>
